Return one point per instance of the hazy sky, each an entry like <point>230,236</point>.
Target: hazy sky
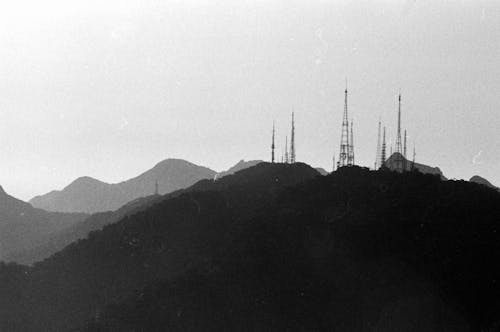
<point>109,88</point>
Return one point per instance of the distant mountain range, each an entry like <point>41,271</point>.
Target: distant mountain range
<point>89,195</point>
<point>58,240</point>
<point>23,227</point>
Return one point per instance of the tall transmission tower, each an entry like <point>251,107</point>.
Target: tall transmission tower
<point>404,154</point>
<point>399,150</point>
<point>156,188</point>
<point>413,162</point>
<point>383,152</point>
<point>344,138</point>
<point>286,150</point>
<point>272,145</point>
<point>377,155</point>
<point>292,141</point>
<point>350,159</point>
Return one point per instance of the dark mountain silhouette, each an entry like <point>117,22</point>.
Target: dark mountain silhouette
<point>483,181</point>
<point>97,221</point>
<point>242,164</point>
<point>22,226</point>
<point>393,160</point>
<point>278,248</point>
<point>89,195</point>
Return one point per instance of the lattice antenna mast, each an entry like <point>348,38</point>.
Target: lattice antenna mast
<point>383,152</point>
<point>377,155</point>
<point>344,138</point>
<point>272,145</point>
<point>156,188</point>
<point>286,150</point>
<point>413,161</point>
<point>404,154</point>
<point>399,150</point>
<point>292,141</point>
<point>350,161</point>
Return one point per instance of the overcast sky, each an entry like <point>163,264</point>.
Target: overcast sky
<point>109,88</point>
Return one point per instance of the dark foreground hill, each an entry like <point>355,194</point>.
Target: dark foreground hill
<point>277,248</point>
<point>24,227</point>
<point>89,195</point>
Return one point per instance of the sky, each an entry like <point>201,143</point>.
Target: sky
<point>109,88</point>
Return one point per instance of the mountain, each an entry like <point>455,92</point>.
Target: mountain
<point>97,221</point>
<point>276,247</point>
<point>89,195</point>
<point>321,171</point>
<point>56,241</point>
<point>79,271</point>
<point>23,227</point>
<point>393,160</point>
<point>241,165</point>
<point>483,181</point>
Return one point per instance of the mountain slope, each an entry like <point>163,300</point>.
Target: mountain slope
<point>241,165</point>
<point>354,251</point>
<point>90,195</point>
<point>106,266</point>
<point>278,248</point>
<point>56,241</point>
<point>22,226</point>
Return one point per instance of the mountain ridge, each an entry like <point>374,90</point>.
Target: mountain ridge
<point>23,226</point>
<point>86,194</point>
<point>278,247</point>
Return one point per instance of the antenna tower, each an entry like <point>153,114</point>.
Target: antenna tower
<point>413,162</point>
<point>292,142</point>
<point>377,155</point>
<point>350,160</point>
<point>383,152</point>
<point>286,150</point>
<point>344,139</point>
<point>404,154</point>
<point>399,150</point>
<point>272,145</point>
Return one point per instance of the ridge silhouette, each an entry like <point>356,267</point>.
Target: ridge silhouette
<point>277,247</point>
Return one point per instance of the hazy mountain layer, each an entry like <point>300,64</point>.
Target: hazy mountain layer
<point>25,227</point>
<point>89,195</point>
